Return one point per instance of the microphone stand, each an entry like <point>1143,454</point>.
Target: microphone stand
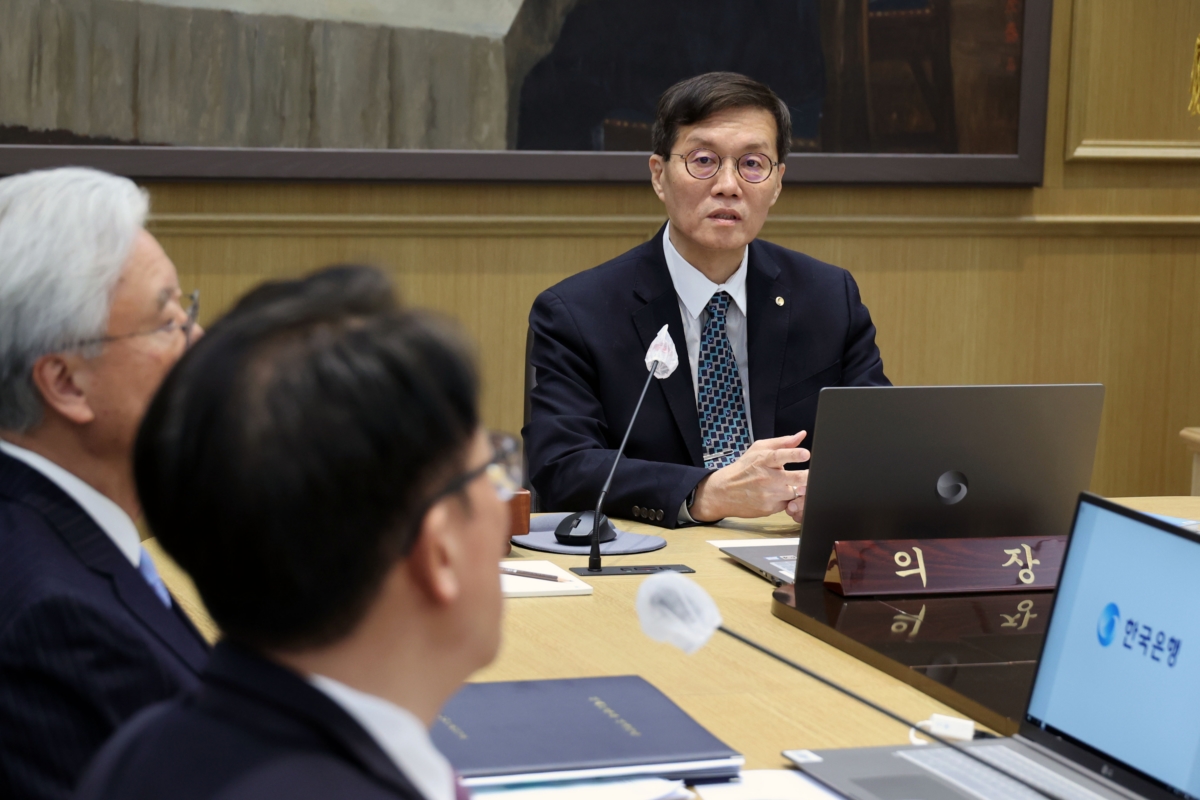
<point>593,567</point>
<point>594,557</point>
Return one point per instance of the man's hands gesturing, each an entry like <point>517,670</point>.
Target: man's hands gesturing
<point>756,484</point>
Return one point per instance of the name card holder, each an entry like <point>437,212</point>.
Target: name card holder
<point>518,507</point>
<point>945,566</point>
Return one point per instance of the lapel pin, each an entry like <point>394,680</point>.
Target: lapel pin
<point>778,301</point>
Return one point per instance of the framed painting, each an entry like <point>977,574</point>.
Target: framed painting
<point>880,91</point>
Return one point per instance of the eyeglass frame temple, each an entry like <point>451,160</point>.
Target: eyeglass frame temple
<point>193,312</point>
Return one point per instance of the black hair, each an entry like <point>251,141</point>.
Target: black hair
<point>287,456</point>
<point>696,99</point>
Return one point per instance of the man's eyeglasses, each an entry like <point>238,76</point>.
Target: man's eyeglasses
<point>504,471</point>
<point>704,165</point>
<point>192,309</point>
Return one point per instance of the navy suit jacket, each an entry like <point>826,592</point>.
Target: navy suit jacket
<point>806,329</point>
<point>84,642</point>
<point>251,730</point>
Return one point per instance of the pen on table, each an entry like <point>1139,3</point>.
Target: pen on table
<point>541,576</point>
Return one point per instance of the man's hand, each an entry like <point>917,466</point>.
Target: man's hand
<point>756,484</point>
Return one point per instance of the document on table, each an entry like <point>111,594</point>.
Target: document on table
<point>768,784</point>
<point>1187,524</point>
<point>719,543</point>
<point>624,789</point>
<point>517,586</point>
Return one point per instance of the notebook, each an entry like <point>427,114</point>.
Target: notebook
<point>516,586</point>
<point>575,729</point>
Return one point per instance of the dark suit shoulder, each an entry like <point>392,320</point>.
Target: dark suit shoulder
<point>181,751</point>
<point>318,776</point>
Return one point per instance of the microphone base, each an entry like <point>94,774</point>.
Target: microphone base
<point>632,569</point>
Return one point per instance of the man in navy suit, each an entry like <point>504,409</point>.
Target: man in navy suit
<point>90,321</point>
<point>763,330</point>
<point>344,519</point>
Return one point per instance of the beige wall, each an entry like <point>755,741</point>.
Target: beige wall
<point>1093,277</point>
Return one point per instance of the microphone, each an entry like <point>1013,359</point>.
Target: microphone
<point>676,610</point>
<point>661,360</point>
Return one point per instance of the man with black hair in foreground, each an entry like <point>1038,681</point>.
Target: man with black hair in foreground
<point>316,464</point>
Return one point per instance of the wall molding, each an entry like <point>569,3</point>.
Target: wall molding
<point>1131,150</point>
<point>644,226</point>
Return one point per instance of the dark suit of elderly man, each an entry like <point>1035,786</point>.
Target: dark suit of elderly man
<point>90,321</point>
<point>764,329</point>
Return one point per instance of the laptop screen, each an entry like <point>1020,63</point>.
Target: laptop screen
<point>1120,668</point>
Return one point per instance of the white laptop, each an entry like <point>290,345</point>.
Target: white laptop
<point>1115,707</point>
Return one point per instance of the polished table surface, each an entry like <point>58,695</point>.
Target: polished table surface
<point>752,702</point>
<point>977,653</point>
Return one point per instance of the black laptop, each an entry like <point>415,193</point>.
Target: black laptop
<point>936,462</point>
<point>913,462</point>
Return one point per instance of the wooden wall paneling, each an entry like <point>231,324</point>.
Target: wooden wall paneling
<point>955,301</point>
<point>487,284</point>
<point>1130,81</point>
<point>1045,310</point>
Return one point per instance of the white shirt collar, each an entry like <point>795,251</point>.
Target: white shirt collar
<point>694,289</point>
<point>104,512</point>
<point>399,733</point>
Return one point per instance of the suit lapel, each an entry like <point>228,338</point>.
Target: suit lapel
<point>766,337</point>
<point>655,288</point>
<point>180,637</point>
<point>96,550</point>
<point>232,668</point>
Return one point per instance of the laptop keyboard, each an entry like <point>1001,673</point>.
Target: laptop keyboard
<point>980,781</point>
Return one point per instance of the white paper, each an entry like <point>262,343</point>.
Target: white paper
<point>635,789</point>
<point>1186,524</point>
<point>662,350</point>
<point>517,586</point>
<point>768,784</point>
<point>791,542</point>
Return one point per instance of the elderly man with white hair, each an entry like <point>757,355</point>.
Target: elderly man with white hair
<point>91,320</point>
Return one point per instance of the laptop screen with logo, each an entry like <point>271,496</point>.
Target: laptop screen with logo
<point>1120,667</point>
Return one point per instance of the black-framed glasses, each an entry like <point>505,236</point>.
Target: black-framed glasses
<point>192,309</point>
<point>704,165</point>
<point>504,471</point>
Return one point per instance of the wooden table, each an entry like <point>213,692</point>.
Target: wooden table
<point>753,703</point>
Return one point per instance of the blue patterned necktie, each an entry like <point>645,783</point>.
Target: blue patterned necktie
<point>723,426</point>
<point>150,573</point>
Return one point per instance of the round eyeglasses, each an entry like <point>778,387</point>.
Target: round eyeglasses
<point>191,310</point>
<point>704,165</point>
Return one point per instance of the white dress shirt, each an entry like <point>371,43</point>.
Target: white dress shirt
<point>693,290</point>
<point>398,733</point>
<point>104,512</point>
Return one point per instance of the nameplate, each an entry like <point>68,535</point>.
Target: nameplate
<point>945,566</point>
<point>518,507</point>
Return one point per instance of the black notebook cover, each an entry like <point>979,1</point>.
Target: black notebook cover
<point>529,727</point>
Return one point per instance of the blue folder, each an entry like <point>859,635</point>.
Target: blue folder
<point>575,729</point>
